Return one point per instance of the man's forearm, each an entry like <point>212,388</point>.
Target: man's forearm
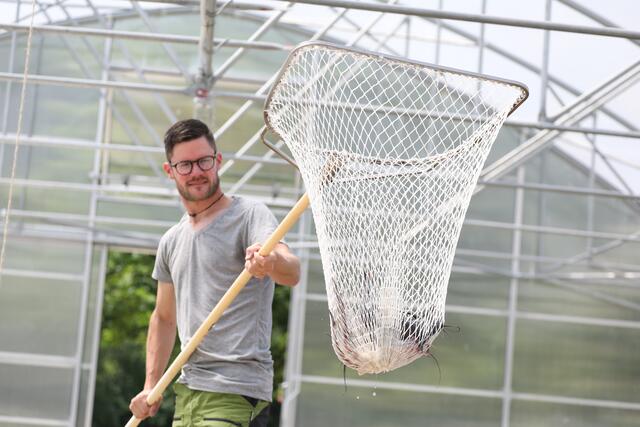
<point>160,341</point>
<point>287,268</point>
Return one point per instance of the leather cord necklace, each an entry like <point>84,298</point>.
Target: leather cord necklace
<point>193,215</point>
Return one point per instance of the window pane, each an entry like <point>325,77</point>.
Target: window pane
<point>39,316</point>
<point>32,391</point>
<point>586,361</point>
<point>478,291</point>
<point>471,358</point>
<point>330,405</point>
<point>579,299</point>
<point>537,414</point>
<point>40,254</point>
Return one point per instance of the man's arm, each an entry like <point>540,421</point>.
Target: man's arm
<point>160,340</point>
<point>281,265</point>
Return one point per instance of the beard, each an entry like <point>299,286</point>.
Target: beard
<point>188,194</point>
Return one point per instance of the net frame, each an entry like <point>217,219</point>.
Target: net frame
<point>382,327</point>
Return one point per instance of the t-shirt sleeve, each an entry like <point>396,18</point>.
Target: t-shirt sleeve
<point>161,271</point>
<point>261,225</point>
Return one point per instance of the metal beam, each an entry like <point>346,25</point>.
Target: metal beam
<point>527,315</point>
<point>572,129</point>
<point>592,15</point>
<point>140,87</point>
<point>552,230</point>
<point>98,32</point>
<point>80,219</point>
<point>470,392</point>
<point>231,5</point>
<point>144,17</point>
<point>561,189</point>
<point>529,66</point>
<point>131,189</point>
<point>512,305</point>
<point>204,80</point>
<point>266,25</point>
<point>544,78</point>
<point>103,61</point>
<point>609,274</point>
<point>362,31</point>
<point>579,109</point>
<point>97,84</point>
<point>467,17</point>
<point>547,230</point>
<point>144,36</point>
<point>45,141</point>
<point>97,323</point>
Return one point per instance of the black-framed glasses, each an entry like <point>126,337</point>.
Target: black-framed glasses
<point>186,166</point>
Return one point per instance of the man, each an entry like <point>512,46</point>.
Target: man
<point>228,379</point>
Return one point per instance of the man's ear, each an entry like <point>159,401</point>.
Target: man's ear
<point>168,169</point>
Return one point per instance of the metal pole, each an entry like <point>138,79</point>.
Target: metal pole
<point>89,245</point>
<point>604,88</point>
<point>544,77</point>
<point>168,49</point>
<point>30,122</point>
<point>407,40</point>
<point>139,35</point>
<point>102,130</point>
<point>483,393</point>
<point>363,31</point>
<point>529,66</point>
<point>295,340</point>
<point>592,15</point>
<point>203,102</point>
<point>559,231</point>
<point>592,179</point>
<point>5,138</point>
<point>97,84</point>
<point>438,34</point>
<point>166,109</point>
<point>238,53</point>
<point>233,5</point>
<point>593,131</point>
<point>562,189</point>
<point>542,207</point>
<point>116,112</point>
<point>481,39</point>
<point>579,109</point>
<point>240,111</point>
<point>613,169</point>
<point>467,17</point>
<point>97,320</point>
<point>7,95</point>
<point>87,73</point>
<point>372,36</point>
<point>513,302</point>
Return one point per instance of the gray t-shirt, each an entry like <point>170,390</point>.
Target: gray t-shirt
<point>235,355</point>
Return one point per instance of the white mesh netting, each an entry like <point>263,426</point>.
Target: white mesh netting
<point>389,152</point>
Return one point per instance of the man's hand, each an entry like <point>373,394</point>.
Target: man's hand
<point>258,265</point>
<point>139,407</point>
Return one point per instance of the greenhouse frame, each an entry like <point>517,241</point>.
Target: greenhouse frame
<point>544,297</point>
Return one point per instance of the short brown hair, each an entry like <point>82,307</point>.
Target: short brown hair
<point>186,130</point>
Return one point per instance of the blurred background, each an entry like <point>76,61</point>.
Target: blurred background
<point>544,297</point>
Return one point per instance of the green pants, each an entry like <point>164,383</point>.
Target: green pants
<point>203,408</point>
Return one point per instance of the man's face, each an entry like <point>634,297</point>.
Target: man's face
<point>198,184</point>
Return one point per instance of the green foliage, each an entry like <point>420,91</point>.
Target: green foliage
<point>129,298</point>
